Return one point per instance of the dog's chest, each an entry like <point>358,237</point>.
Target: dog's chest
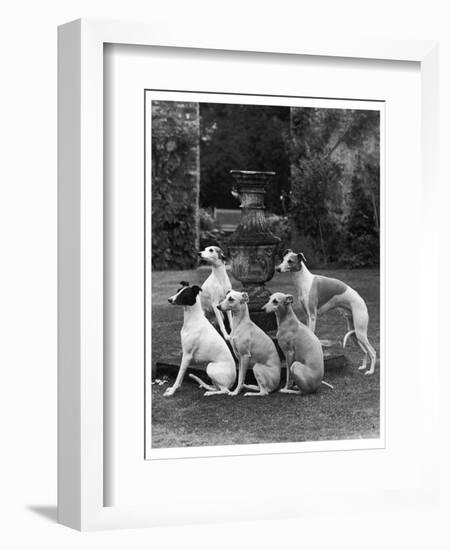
<point>191,334</point>
<point>214,290</point>
<point>286,337</point>
<point>240,341</point>
<point>303,285</point>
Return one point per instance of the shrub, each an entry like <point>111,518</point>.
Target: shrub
<point>280,227</point>
<point>362,243</point>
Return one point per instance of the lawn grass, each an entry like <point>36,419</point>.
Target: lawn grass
<point>187,419</point>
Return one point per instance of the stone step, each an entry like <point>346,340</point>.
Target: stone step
<point>334,360</point>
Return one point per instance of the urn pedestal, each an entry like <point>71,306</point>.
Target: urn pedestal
<point>252,247</point>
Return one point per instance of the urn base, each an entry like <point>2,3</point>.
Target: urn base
<point>259,296</point>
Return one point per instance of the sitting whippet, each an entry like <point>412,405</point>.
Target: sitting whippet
<point>301,347</point>
<point>318,294</point>
<point>252,346</point>
<point>201,343</point>
<point>216,285</point>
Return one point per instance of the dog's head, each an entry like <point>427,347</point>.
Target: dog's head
<point>278,301</point>
<point>233,301</point>
<point>186,295</point>
<point>213,255</point>
<point>292,261</point>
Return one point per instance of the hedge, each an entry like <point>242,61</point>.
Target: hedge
<point>175,184</point>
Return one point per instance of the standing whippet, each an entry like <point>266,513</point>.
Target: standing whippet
<point>301,347</point>
<point>318,294</point>
<point>216,285</point>
<point>252,346</point>
<point>201,342</point>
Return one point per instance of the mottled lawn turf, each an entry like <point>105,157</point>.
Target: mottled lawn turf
<point>350,411</point>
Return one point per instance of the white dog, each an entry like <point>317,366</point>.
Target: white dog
<point>201,342</point>
<point>318,294</point>
<point>301,347</point>
<point>216,285</point>
<point>252,346</point>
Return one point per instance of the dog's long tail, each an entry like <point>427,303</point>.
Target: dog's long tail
<point>349,333</point>
<point>326,384</point>
<point>201,383</point>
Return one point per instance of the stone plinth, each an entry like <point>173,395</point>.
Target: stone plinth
<point>252,247</point>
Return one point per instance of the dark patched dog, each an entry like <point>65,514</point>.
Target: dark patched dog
<point>201,343</point>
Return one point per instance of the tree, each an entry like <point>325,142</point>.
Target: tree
<point>324,146</point>
<point>362,245</point>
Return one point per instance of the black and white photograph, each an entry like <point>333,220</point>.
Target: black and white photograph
<point>264,244</point>
<point>224,262</point>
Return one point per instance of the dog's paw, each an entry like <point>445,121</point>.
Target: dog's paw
<point>362,367</point>
<point>234,393</point>
<point>369,372</point>
<point>283,390</point>
<point>170,391</point>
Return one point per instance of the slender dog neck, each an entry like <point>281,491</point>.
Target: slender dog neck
<point>285,314</point>
<point>192,313</point>
<point>220,271</point>
<point>303,276</point>
<point>239,316</point>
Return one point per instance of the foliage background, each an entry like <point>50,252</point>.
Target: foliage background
<point>323,201</point>
<point>175,184</point>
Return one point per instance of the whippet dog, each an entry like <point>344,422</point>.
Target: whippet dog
<point>216,285</point>
<point>318,294</point>
<point>301,347</point>
<point>252,346</point>
<point>201,342</point>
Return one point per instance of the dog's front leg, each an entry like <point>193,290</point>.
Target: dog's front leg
<point>312,317</point>
<point>309,318</point>
<point>244,361</point>
<point>289,360</point>
<point>186,359</point>
<point>219,318</point>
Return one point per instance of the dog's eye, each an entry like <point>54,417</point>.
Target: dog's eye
<point>275,301</point>
<point>230,299</point>
<point>290,262</point>
<point>211,250</point>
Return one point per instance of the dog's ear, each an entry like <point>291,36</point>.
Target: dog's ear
<point>196,289</point>
<point>221,254</point>
<point>184,283</point>
<point>288,299</point>
<point>287,251</point>
<point>244,298</point>
<point>301,257</point>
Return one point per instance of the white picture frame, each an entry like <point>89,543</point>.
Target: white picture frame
<point>81,481</point>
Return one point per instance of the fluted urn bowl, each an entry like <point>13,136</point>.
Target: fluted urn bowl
<point>252,247</point>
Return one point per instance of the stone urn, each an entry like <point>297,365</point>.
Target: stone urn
<point>252,247</point>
